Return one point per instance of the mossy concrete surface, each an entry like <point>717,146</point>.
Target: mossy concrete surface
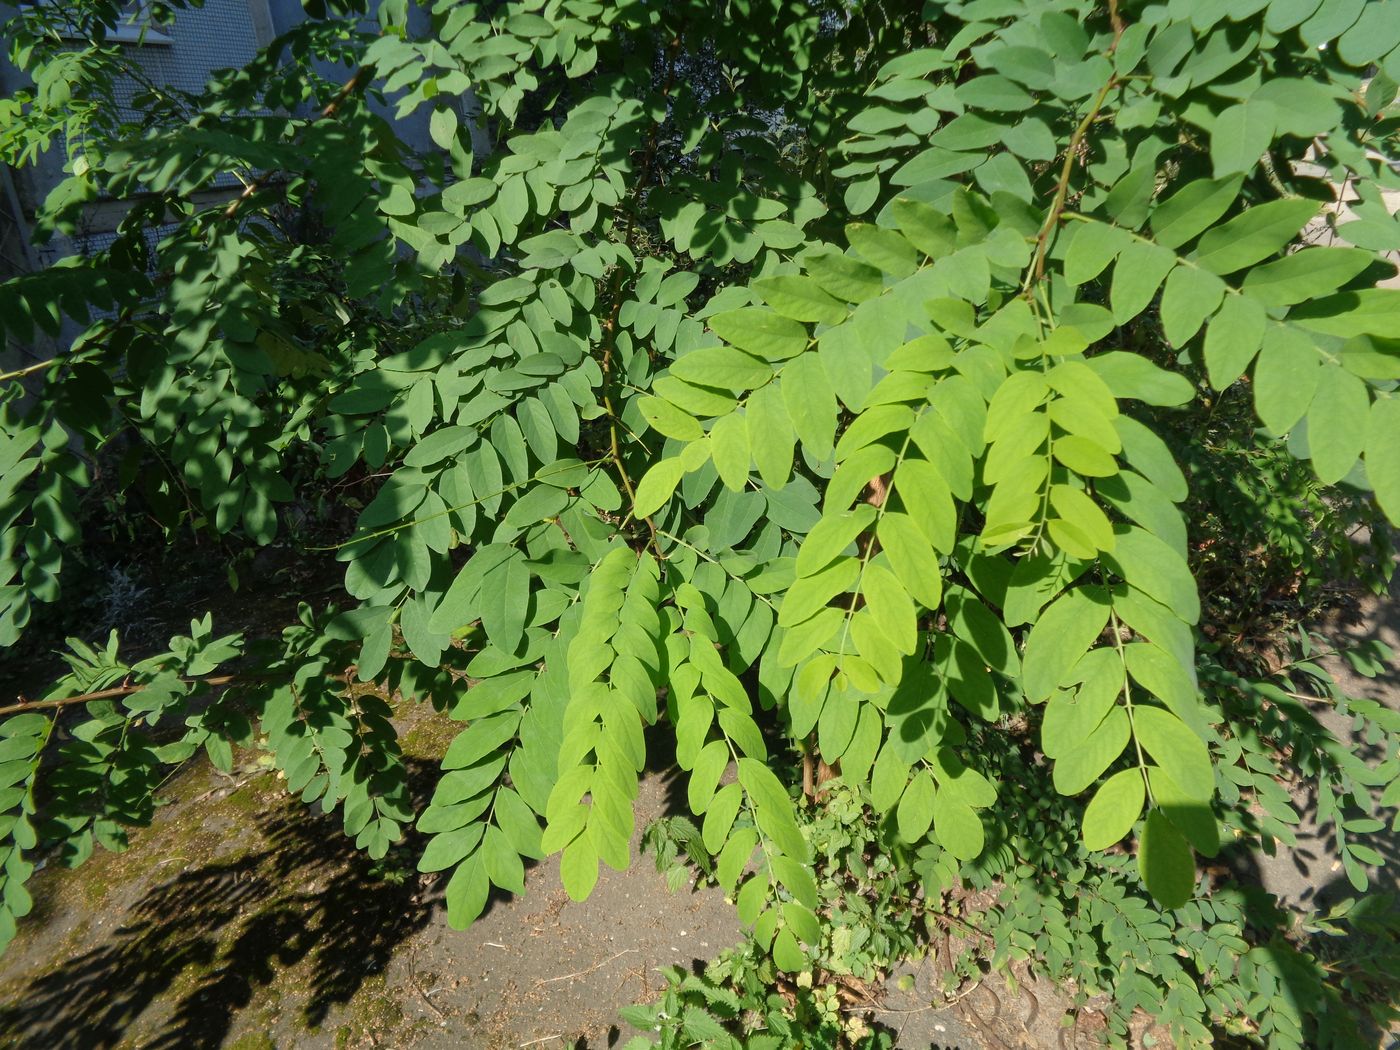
<point>244,919</point>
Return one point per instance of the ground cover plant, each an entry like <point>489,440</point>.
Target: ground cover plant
<point>812,380</point>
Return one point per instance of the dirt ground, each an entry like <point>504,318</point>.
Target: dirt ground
<point>240,920</point>
<point>246,922</point>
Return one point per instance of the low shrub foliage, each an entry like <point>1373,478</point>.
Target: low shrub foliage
<point>809,381</point>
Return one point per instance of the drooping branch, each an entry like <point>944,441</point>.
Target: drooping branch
<point>610,323</point>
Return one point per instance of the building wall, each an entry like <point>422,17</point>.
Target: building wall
<point>219,35</point>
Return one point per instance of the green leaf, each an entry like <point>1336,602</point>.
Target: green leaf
<point>888,778</point>
<point>801,641</point>
<point>657,486</point>
<point>891,607</point>
<point>924,226</point>
<point>466,893</point>
<point>831,536</point>
<point>1094,246</point>
<point>520,825</point>
<point>1192,817</point>
<point>1084,514</point>
<point>1193,209</point>
<point>1233,337</point>
<point>1258,233</point>
<point>800,298</point>
<point>1372,311</point>
<point>926,496</point>
<point>811,404</point>
<point>797,880</point>
<point>439,445</point>
<point>788,956</point>
<point>1190,296</point>
<point>1374,34</point>
<point>809,594</point>
<point>729,448</point>
<point>1114,809</point>
<point>447,849</point>
<point>1309,273</point>
<point>670,421</point>
<point>719,816</point>
<point>722,367</point>
<point>503,864</point>
<point>1061,636</point>
<point>578,868</point>
<point>1084,763</point>
<point>1241,135</point>
<point>1071,715</point>
<point>1132,376</point>
<point>1139,272</point>
<point>762,332</point>
<point>1165,861</point>
<point>844,277</point>
<point>1153,567</point>
<point>1085,457</point>
<point>1338,423</point>
<point>1285,377</point>
<point>885,248</point>
<point>773,808</point>
<point>1383,455</point>
<point>1176,749</point>
<point>1162,675</point>
<point>770,435</point>
<point>957,826</point>
<point>912,558</point>
<point>442,126</point>
<point>915,812</point>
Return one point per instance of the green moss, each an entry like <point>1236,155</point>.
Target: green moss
<point>427,733</point>
<point>252,1041</point>
<point>373,1012</point>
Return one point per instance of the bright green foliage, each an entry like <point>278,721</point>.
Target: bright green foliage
<point>797,377</point>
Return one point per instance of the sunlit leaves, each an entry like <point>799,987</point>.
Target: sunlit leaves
<point>894,482</point>
<point>1114,809</point>
<point>1383,454</point>
<point>1256,234</point>
<point>1060,637</point>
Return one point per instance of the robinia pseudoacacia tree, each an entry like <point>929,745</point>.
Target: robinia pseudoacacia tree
<point>788,373</point>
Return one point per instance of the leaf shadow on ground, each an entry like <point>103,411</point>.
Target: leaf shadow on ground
<point>202,945</point>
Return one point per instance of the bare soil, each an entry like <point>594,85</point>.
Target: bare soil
<point>239,919</point>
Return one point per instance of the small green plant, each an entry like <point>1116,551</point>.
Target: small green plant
<point>741,1003</point>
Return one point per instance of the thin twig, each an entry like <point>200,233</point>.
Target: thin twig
<point>584,973</point>
<point>1057,203</point>
<point>328,111</point>
<point>229,787</point>
<point>413,979</point>
<point>20,373</point>
<point>542,1039</point>
<point>107,694</point>
<point>610,323</point>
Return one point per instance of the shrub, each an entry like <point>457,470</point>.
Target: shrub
<point>804,377</point>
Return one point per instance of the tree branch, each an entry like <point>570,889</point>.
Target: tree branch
<point>1057,204</point>
<point>346,90</point>
<point>23,705</point>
